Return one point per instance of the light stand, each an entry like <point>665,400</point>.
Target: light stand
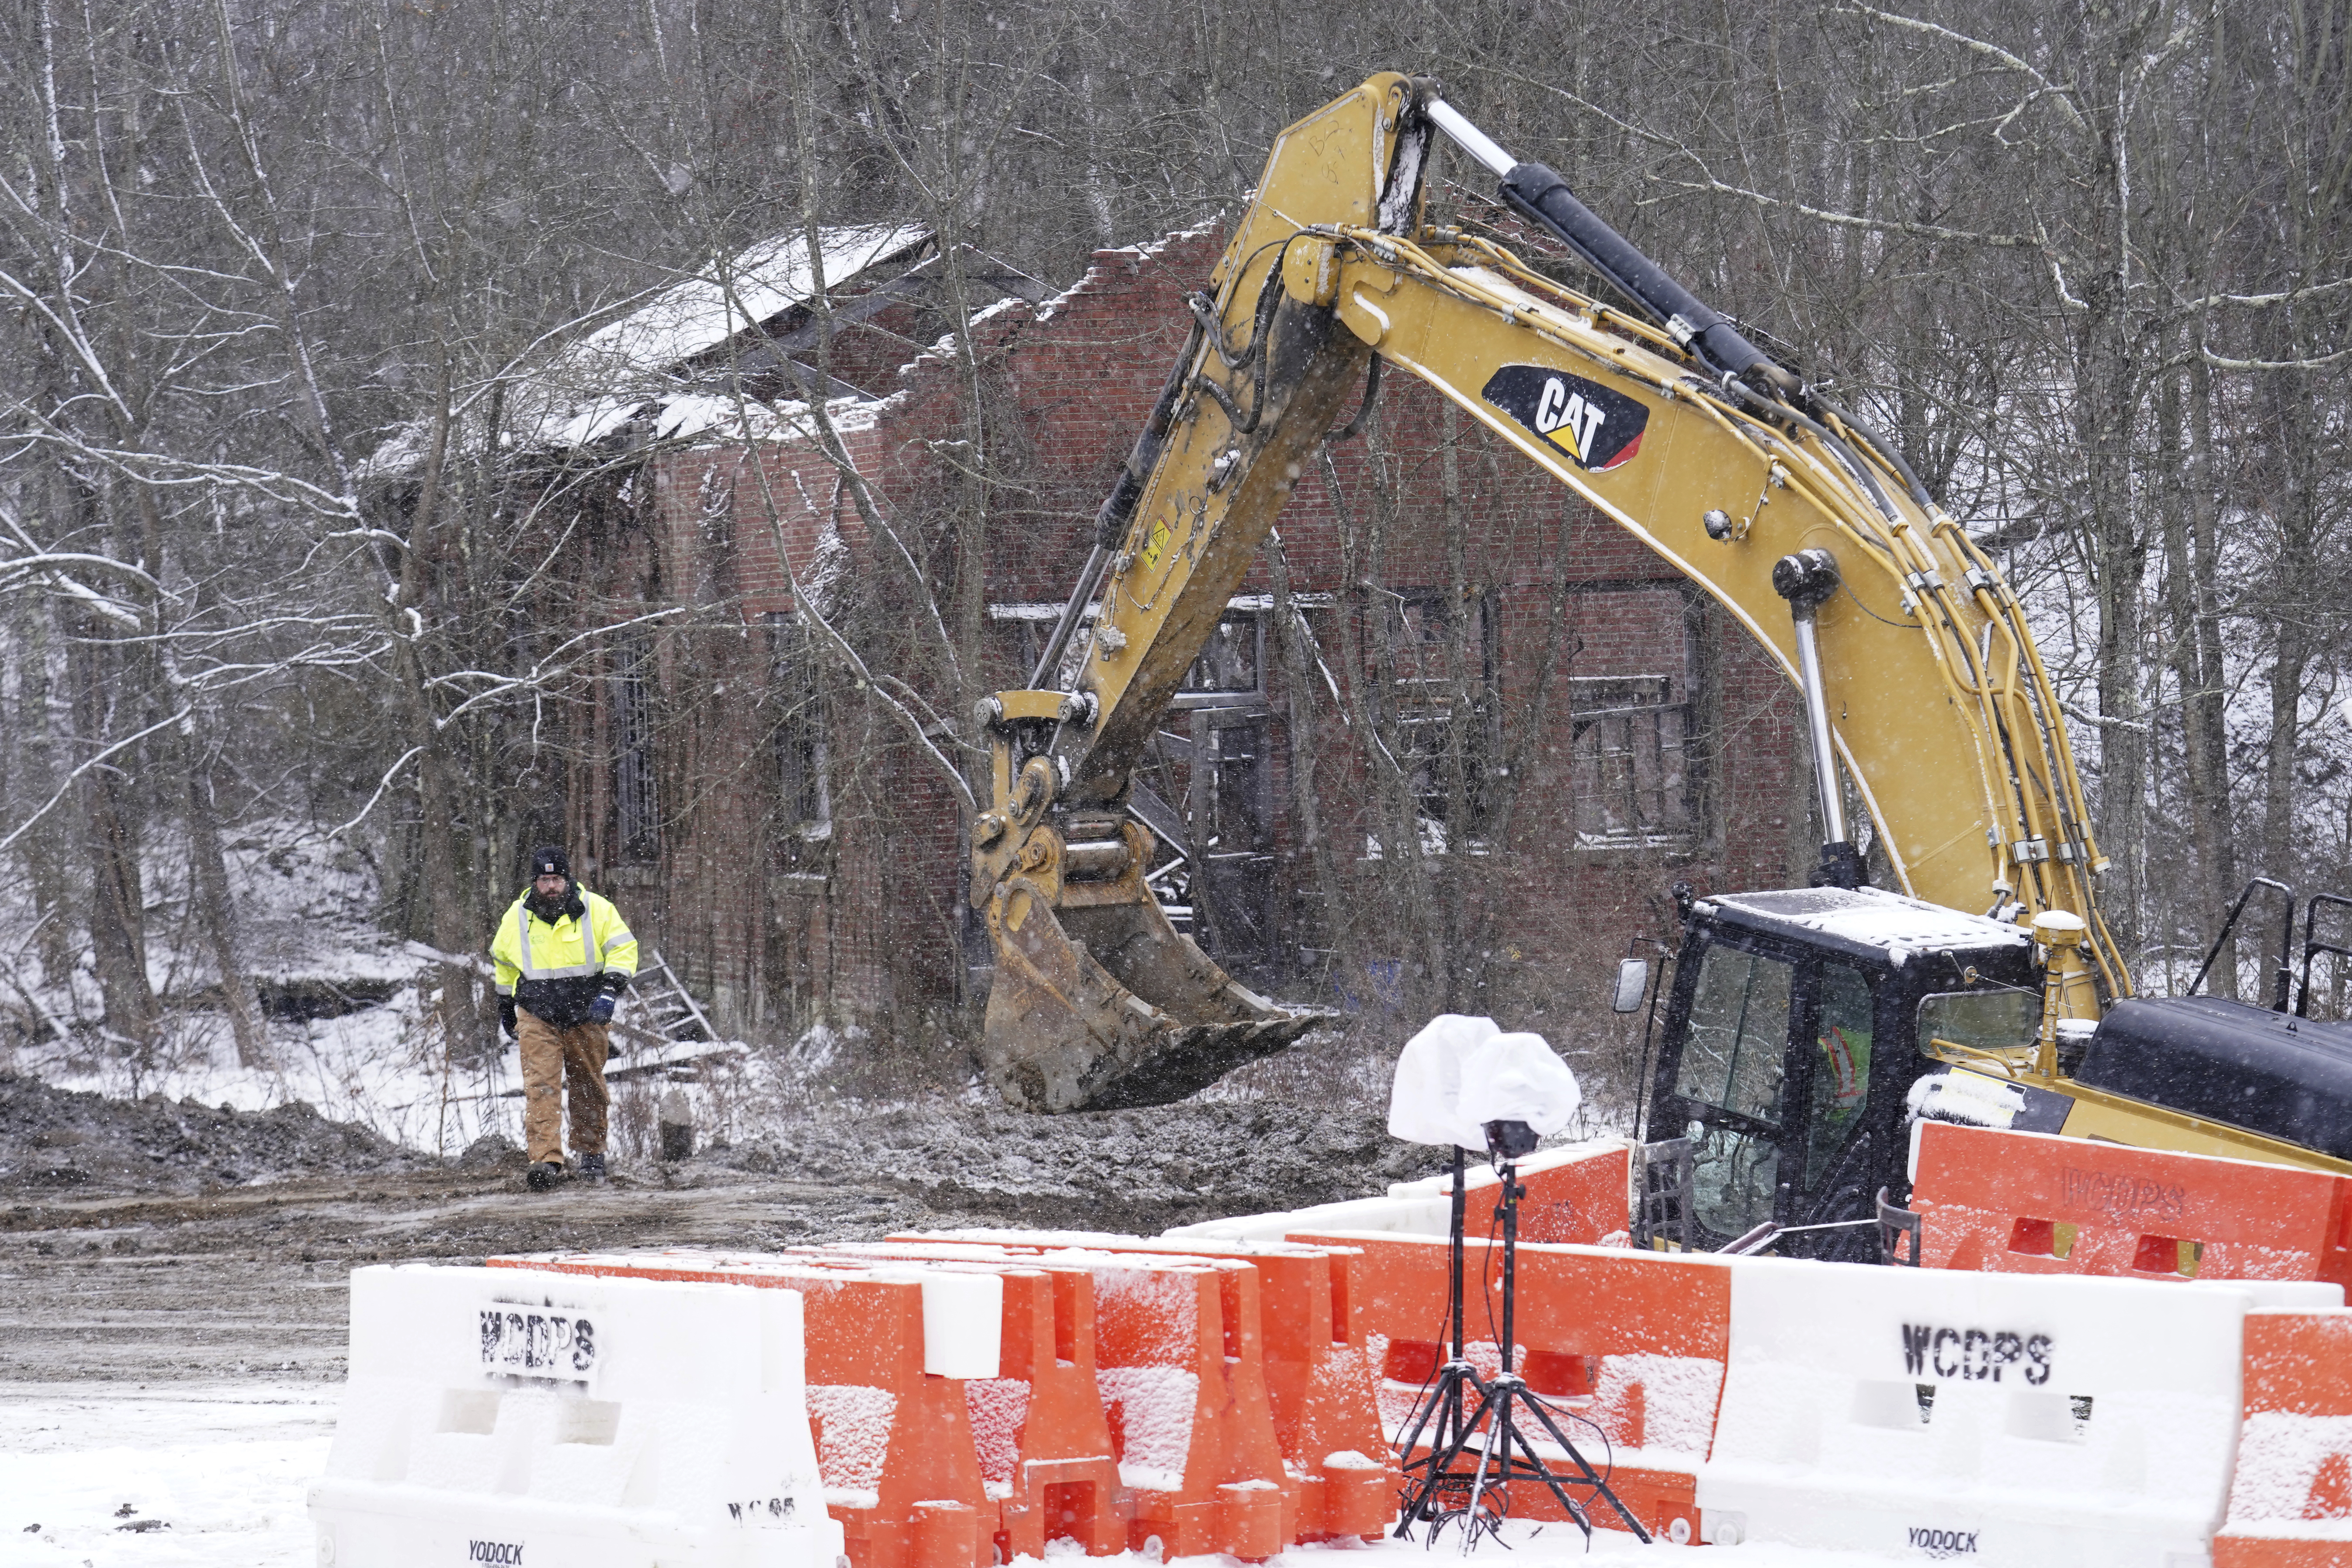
<point>1446,1485</point>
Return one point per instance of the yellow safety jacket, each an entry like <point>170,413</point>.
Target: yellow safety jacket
<point>553,970</point>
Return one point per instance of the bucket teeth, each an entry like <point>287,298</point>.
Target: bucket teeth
<point>1110,1009</point>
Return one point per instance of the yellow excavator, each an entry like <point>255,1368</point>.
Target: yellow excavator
<point>1804,1027</point>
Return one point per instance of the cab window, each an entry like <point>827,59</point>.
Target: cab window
<point>1739,1031</point>
<point>1978,1021</point>
<point>1840,1066</point>
<point>1733,1056</point>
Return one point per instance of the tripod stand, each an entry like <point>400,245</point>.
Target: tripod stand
<point>1462,1405</point>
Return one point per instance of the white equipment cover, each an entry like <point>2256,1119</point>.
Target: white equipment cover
<point>1460,1073</point>
<point>1425,1099</point>
<point>1518,1078</point>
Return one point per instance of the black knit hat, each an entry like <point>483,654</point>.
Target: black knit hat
<point>550,860</point>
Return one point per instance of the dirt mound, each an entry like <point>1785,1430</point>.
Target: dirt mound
<point>59,1141</point>
<point>1120,1170</point>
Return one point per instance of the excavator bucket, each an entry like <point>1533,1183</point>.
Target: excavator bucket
<point>1108,1008</point>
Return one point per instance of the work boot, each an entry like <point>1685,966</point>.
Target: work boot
<point>591,1168</point>
<point>542,1175</point>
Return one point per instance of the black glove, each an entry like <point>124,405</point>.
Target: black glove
<point>599,1011</point>
<point>507,1016</point>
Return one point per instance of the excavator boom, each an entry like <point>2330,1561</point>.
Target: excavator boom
<point>1802,524</point>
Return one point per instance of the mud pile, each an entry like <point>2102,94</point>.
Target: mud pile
<point>1120,1170</point>
<point>61,1143</point>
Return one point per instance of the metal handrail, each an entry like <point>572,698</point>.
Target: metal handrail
<point>2312,948</point>
<point>2287,941</point>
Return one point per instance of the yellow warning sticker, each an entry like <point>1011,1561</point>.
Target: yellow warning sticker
<point>1155,545</point>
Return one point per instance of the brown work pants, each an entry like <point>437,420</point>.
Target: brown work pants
<point>554,1061</point>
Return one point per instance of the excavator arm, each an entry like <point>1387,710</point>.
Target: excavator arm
<point>1920,676</point>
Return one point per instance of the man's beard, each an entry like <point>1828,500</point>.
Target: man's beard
<point>566,902</point>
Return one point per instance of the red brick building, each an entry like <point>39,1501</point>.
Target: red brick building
<point>1462,770</point>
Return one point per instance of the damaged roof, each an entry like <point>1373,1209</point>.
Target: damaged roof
<point>652,353</point>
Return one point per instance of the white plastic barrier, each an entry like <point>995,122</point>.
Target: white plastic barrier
<point>1991,1418</point>
<point>963,1323</point>
<point>495,1416</point>
<point>1424,1207</point>
<point>1411,1214</point>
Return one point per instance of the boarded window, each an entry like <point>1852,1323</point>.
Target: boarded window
<point>1629,760</point>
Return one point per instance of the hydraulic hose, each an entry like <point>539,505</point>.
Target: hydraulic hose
<point>1537,192</point>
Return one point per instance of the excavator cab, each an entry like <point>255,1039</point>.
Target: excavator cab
<point>1793,1038</point>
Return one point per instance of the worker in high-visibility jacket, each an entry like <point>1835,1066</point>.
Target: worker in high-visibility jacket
<point>563,955</point>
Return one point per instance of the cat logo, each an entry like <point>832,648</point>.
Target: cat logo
<point>1599,429</point>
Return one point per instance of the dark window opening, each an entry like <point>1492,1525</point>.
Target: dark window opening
<point>1231,665</point>
<point>1441,709</point>
<point>804,786</point>
<point>636,797</point>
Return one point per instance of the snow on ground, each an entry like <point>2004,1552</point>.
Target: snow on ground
<point>352,1032</point>
<point>224,1474</point>
<point>221,1474</point>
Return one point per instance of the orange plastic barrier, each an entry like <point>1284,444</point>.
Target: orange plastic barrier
<point>1576,1192</point>
<point>1317,1374</point>
<point>1579,1201</point>
<point>1039,1428</point>
<point>1632,1342</point>
<point>893,1443</point>
<point>2031,1203</point>
<point>1179,1348</point>
<point>2291,1497</point>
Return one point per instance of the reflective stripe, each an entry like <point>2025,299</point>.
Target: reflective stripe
<point>618,937</point>
<point>506,990</point>
<point>566,972</point>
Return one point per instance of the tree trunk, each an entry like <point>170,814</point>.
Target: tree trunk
<point>2188,597</point>
<point>110,837</point>
<point>1302,677</point>
<point>217,910</point>
<point>2289,438</point>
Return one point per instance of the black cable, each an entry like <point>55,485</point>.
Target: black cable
<point>1260,313</point>
<point>1494,1336</point>
<point>1355,426</point>
<point>1874,614</point>
<point>1486,1283</point>
<point>1608,1449</point>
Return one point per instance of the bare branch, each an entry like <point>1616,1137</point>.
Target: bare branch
<point>25,827</point>
<point>1853,220</point>
<point>383,785</point>
<point>2062,94</point>
<point>2220,361</point>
